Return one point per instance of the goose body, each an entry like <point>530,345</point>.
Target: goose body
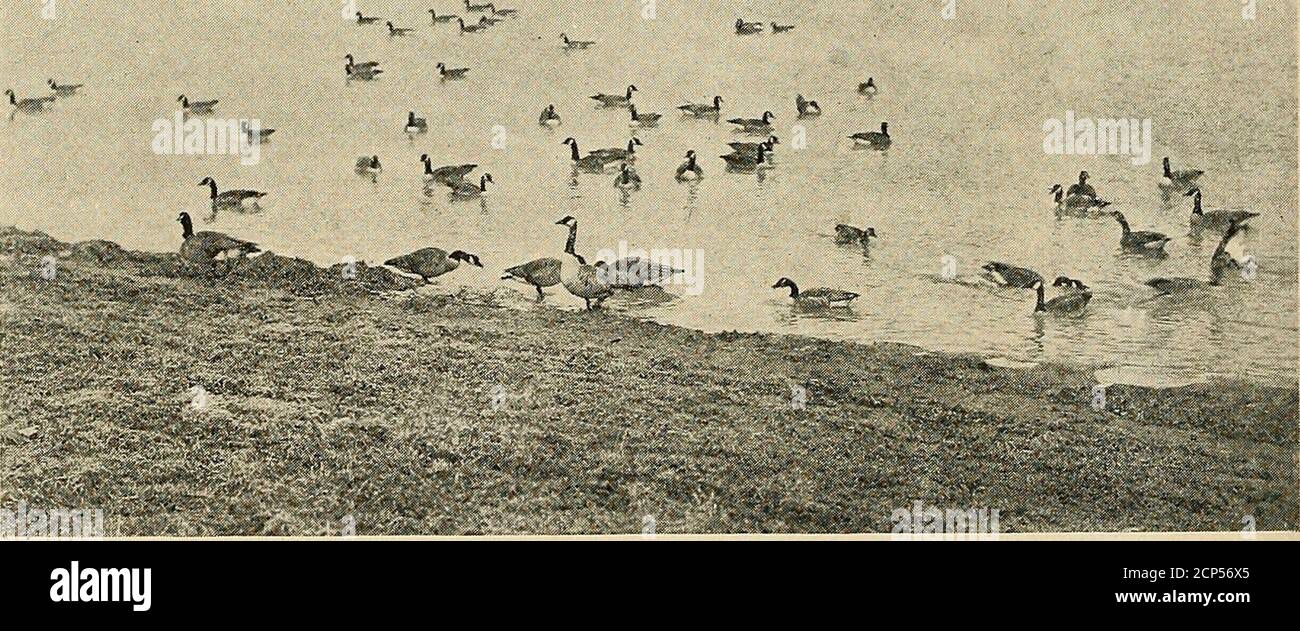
<point>477,27</point>
<point>748,161</point>
<point>548,116</point>
<point>591,163</point>
<point>619,153</point>
<point>506,13</point>
<point>614,100</point>
<point>451,73</point>
<point>1069,303</point>
<point>480,8</point>
<point>817,297</point>
<point>748,28</point>
<point>754,125</point>
<point>261,134</point>
<point>361,19</point>
<point>702,110</point>
<point>30,105</point>
<point>647,119</point>
<point>430,263</point>
<point>1215,219</point>
<point>1139,241</point>
<point>869,88</point>
<point>585,281</point>
<point>1180,180</point>
<point>64,89</point>
<point>229,199</point>
<point>806,108</point>
<point>467,190</point>
<point>782,28</point>
<point>362,73</point>
<point>1220,262</point>
<point>441,19</point>
<point>369,165</point>
<point>1069,284</point>
<point>752,147</point>
<point>574,44</point>
<point>206,248</point>
<point>1011,275</point>
<point>690,169</point>
<point>397,31</point>
<point>1082,187</point>
<point>447,175</point>
<point>364,64</point>
<point>414,124</point>
<point>543,272</point>
<point>197,107</point>
<point>1075,204</point>
<point>874,139</point>
<point>627,179</point>
<point>845,234</point>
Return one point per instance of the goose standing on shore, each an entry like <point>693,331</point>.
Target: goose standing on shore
<point>451,73</point>
<point>545,271</point>
<point>64,89</point>
<point>441,19</point>
<point>874,139</point>
<point>580,279</point>
<point>575,44</point>
<point>207,248</point>
<point>806,108</point>
<point>689,170</point>
<point>1070,303</point>
<point>846,234</point>
<point>868,89</point>
<point>548,116</point>
<point>748,28</point>
<point>817,297</point>
<point>29,106</point>
<point>447,175</point>
<point>761,125</point>
<point>1139,241</point>
<point>1177,181</point>
<point>234,198</point>
<point>196,107</point>
<point>614,100</point>
<point>1215,219</point>
<point>702,110</point>
<point>415,125</point>
<point>430,263</point>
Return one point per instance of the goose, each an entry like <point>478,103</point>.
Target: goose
<point>702,110</point>
<point>361,19</point>
<point>365,64</point>
<point>582,280</point>
<point>1142,241</point>
<point>362,73</point>
<point>481,8</point>
<point>369,165</point>
<point>818,297</point>
<point>489,20</point>
<point>1220,262</point>
<point>196,107</point>
<point>415,125</point>
<point>1011,275</point>
<point>782,28</point>
<point>64,89</point>
<point>468,190</point>
<point>1216,219</point>
<point>397,31</point>
<point>874,139</point>
<point>869,88</point>
<point>229,199</point>
<point>689,170</point>
<point>753,125</point>
<point>29,105</point>
<point>649,119</point>
<point>1178,181</point>
<point>592,163</point>
<point>752,147</point>
<point>573,44</point>
<point>544,272</point>
<point>548,116</point>
<point>430,263</point>
<point>620,153</point>
<point>806,108</point>
<point>1069,283</point>
<point>627,179</point>
<point>1075,203</point>
<point>845,234</point>
<point>748,161</point>
<point>441,19</point>
<point>451,73</point>
<point>1072,302</point>
<point>1082,187</point>
<point>615,100</point>
<point>259,135</point>
<point>206,247</point>
<point>472,28</point>
<point>748,28</point>
<point>635,272</point>
<point>448,175</point>
<point>507,12</point>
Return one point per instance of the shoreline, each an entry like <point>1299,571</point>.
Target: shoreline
<point>427,413</point>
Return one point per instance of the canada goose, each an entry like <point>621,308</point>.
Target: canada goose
<point>634,272</point>
<point>430,263</point>
<point>1216,219</point>
<point>1069,283</point>
<point>1082,187</point>
<point>627,179</point>
<point>448,175</point>
<point>573,44</point>
<point>1142,241</point>
<point>748,28</point>
<point>441,19</point>
<point>845,234</point>
<point>260,135</point>
<point>477,27</point>
<point>869,88</point>
<point>818,297</point>
<point>1010,275</point>
<point>196,107</point>
<point>548,116</point>
<point>229,199</point>
<point>593,163</point>
<point>64,89</point>
<point>689,170</point>
<point>1220,262</point>
<point>467,190</point>
<point>397,31</point>
<point>782,28</point>
<point>362,73</point>
<point>620,153</point>
<point>1072,302</point>
<point>369,165</point>
<point>205,248</point>
<point>644,120</point>
<point>752,147</point>
<point>1075,204</point>
<point>451,73</point>
<point>748,161</point>
<point>361,19</point>
<point>1178,181</point>
<point>580,279</point>
<point>477,7</point>
<point>415,125</point>
<point>702,110</point>
<point>874,139</point>
<point>754,125</point>
<point>507,12</point>
<point>543,272</point>
<point>29,105</point>
<point>365,64</point>
<point>614,100</point>
<point>806,108</point>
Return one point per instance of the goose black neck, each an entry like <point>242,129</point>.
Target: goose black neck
<point>1039,306</point>
<point>1058,195</point>
<point>1196,203</point>
<point>572,243</point>
<point>573,151</point>
<point>794,290</point>
<point>1123,223</point>
<point>1168,172</point>
<point>212,187</point>
<point>187,227</point>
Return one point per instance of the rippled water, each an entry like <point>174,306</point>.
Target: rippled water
<point>967,176</point>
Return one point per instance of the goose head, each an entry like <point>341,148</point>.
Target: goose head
<point>424,157</point>
<point>461,21</point>
<point>630,90</point>
<point>374,162</point>
<point>1194,192</point>
<point>636,141</point>
<point>772,140</point>
<point>1165,163</point>
<point>482,181</point>
<point>690,154</point>
<point>717,102</point>
<point>52,83</point>
<point>1057,192</point>
<point>568,220</point>
<point>1083,176</point>
<point>182,100</point>
<point>870,232</point>
<point>783,282</point>
<point>187,226</point>
<point>10,94</point>
<point>884,128</point>
<point>410,118</point>
<point>358,15</point>
<point>767,117</point>
<point>871,82</point>
<point>441,67</point>
<point>569,141</point>
<point>466,257</point>
<point>564,38</point>
<point>207,181</point>
<point>740,22</point>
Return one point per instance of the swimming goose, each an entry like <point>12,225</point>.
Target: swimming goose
<point>361,73</point>
<point>702,110</point>
<point>573,44</point>
<point>845,234</point>
<point>1141,241</point>
<point>480,26</point>
<point>782,28</point>
<point>1010,275</point>
<point>818,297</point>
<point>1221,261</point>
<point>1215,219</point>
<point>1075,203</point>
<point>369,165</point>
<point>752,147</point>
<point>196,107</point>
<point>874,139</point>
<point>467,190</point>
<point>620,153</point>
<point>549,117</point>
<point>229,199</point>
<point>262,134</point>
<point>1069,283</point>
<point>1179,181</point>
<point>29,105</point>
<point>365,64</point>
<point>451,73</point>
<point>748,28</point>
<point>441,19</point>
<point>593,163</point>
<point>361,19</point>
<point>206,248</point>
<point>415,125</point>
<point>448,175</point>
<point>430,263</point>
<point>635,272</point>
<point>1082,187</point>
<point>627,179</point>
<point>868,88</point>
<point>806,108</point>
<point>481,8</point>
<point>649,119</point>
<point>64,89</point>
<point>1072,302</point>
<point>397,31</point>
<point>748,161</point>
<point>754,125</point>
<point>615,100</point>
<point>582,280</point>
<point>507,12</point>
<point>689,170</point>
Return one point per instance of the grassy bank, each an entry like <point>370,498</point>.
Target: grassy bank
<point>420,413</point>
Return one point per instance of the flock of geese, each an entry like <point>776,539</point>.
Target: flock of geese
<point>594,282</point>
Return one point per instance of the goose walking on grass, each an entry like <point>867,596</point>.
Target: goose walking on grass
<point>619,153</point>
<point>746,162</point>
<point>369,165</point>
<point>761,125</point>
<point>447,175</point>
<point>441,19</point>
<point>1178,181</point>
<point>874,139</point>
<point>868,89</point>
<point>614,100</point>
<point>1075,204</point>
<point>1139,241</point>
<point>548,116</point>
<point>259,135</point>
<point>689,170</point>
<point>1010,275</point>
<point>477,27</point>
<point>702,110</point>
<point>647,119</point>
<point>627,179</point>
<point>846,234</point>
<point>817,297</point>
<point>480,8</point>
<point>545,271</point>
<point>430,263</point>
<point>591,163</point>
<point>64,89</point>
<point>469,190</point>
<point>585,281</point>
<point>1069,303</point>
<point>782,28</point>
<point>752,147</point>
<point>234,198</point>
<point>806,108</point>
<point>748,28</point>
<point>415,125</point>
<point>1215,219</point>
<point>207,248</point>
<point>196,107</point>
<point>451,73</point>
<point>398,31</point>
<point>575,44</point>
<point>29,106</point>
<point>361,73</point>
<point>1220,262</point>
